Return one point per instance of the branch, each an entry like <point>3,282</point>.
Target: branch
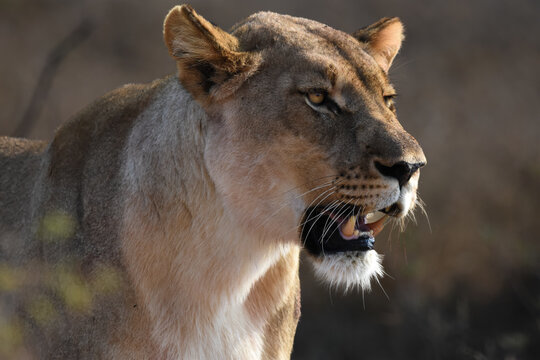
<point>55,58</point>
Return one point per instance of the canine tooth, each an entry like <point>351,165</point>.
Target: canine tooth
<point>374,216</point>
<point>348,228</point>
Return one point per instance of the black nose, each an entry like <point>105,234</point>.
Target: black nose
<point>402,171</point>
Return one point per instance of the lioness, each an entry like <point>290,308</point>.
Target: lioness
<point>165,221</point>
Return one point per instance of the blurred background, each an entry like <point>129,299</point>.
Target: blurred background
<point>464,284</point>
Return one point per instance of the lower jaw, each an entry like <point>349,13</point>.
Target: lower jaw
<point>361,244</point>
<point>322,235</point>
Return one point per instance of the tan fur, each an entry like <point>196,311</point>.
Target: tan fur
<point>162,221</point>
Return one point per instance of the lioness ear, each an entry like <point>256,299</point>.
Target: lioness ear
<point>383,40</point>
<point>209,62</point>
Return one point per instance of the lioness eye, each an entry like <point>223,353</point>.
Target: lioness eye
<point>316,97</point>
<point>389,101</point>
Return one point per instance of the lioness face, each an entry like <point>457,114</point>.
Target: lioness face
<point>303,141</point>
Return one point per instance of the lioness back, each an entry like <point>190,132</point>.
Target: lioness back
<point>59,215</point>
<point>20,160</point>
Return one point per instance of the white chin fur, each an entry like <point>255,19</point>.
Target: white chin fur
<point>350,269</point>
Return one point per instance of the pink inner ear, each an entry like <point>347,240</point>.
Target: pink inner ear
<point>386,44</point>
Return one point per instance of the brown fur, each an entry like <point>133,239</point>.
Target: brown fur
<point>161,222</point>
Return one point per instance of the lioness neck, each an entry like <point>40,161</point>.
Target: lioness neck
<point>193,266</point>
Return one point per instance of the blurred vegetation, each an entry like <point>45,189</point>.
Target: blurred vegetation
<point>466,287</point>
<point>56,226</point>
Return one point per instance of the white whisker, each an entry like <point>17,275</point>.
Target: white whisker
<point>326,208</point>
<point>342,221</point>
<point>298,227</point>
<point>318,216</point>
<point>382,288</point>
<point>308,182</point>
<point>268,218</point>
<point>422,205</point>
<point>338,215</point>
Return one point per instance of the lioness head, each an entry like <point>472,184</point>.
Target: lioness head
<point>302,140</point>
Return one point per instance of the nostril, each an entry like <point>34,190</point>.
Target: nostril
<point>402,171</point>
<point>416,166</point>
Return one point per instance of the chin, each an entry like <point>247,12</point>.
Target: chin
<point>341,244</point>
<point>349,269</point>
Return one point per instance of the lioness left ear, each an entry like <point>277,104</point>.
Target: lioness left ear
<point>209,61</point>
<point>383,40</point>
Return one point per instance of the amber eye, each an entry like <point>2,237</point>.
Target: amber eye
<point>389,101</point>
<point>316,97</point>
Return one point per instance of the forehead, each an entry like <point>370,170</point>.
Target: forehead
<point>301,43</point>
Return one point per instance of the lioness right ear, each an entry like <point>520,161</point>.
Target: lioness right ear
<point>383,40</point>
<point>209,61</point>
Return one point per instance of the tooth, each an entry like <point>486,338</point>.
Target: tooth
<point>348,228</point>
<point>374,216</point>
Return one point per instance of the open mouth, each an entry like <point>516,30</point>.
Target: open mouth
<point>341,229</point>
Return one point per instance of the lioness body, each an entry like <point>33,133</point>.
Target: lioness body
<point>85,153</point>
<point>162,221</point>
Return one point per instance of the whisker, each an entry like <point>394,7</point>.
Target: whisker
<point>299,227</point>
<point>336,202</point>
<point>382,288</point>
<point>326,209</point>
<point>340,212</point>
<point>343,211</point>
<point>395,224</point>
<point>307,192</point>
<point>321,213</point>
<point>320,201</point>
<point>412,217</point>
<point>346,218</point>
<point>331,183</point>
<point>388,275</point>
<point>325,227</point>
<point>308,182</point>
<point>389,239</point>
<point>398,239</point>
<point>308,216</point>
<point>422,205</point>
